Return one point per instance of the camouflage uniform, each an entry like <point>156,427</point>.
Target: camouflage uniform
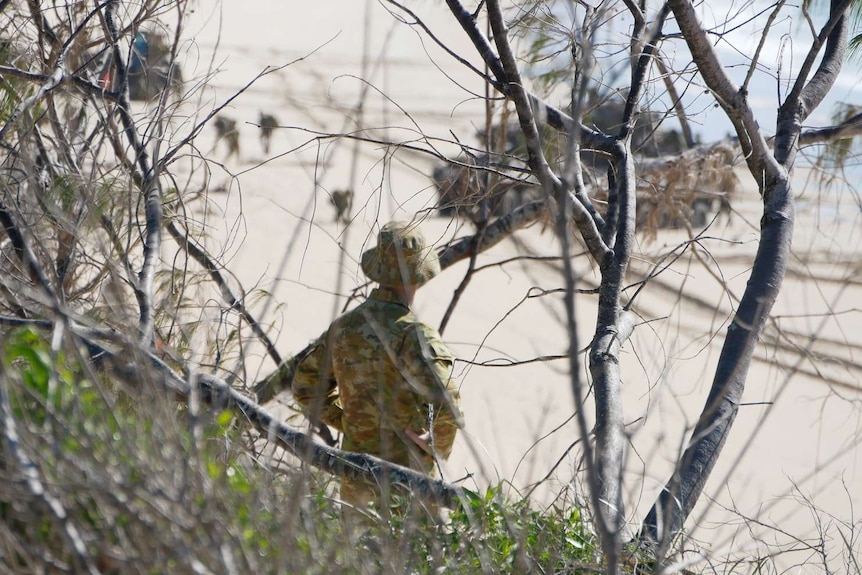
<point>377,371</point>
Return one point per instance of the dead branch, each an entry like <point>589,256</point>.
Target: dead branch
<point>219,394</point>
<point>729,97</point>
<point>676,501</point>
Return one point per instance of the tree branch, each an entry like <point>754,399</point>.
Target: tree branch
<point>544,112</point>
<point>804,97</point>
<point>676,501</point>
<point>216,392</point>
<point>497,231</point>
<point>150,185</point>
<point>673,505</point>
<point>25,254</point>
<point>640,69</point>
<point>219,394</point>
<point>516,91</point>
<point>51,82</point>
<point>329,459</point>
<point>849,128</point>
<point>85,85</point>
<point>468,24</point>
<point>236,303</point>
<point>604,360</point>
<point>443,46</point>
<point>833,32</point>
<point>729,97</point>
<point>676,99</point>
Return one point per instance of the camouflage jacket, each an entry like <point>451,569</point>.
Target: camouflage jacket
<point>377,371</point>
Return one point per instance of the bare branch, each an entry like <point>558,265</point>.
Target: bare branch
<point>440,43</point>
<point>468,23</point>
<point>665,519</point>
<point>676,99</point>
<point>471,268</point>
<point>214,270</point>
<point>497,231</point>
<point>85,85</point>
<point>849,128</point>
<point>50,83</point>
<point>806,94</point>
<point>605,365</point>
<point>755,59</point>
<point>329,459</point>
<point>216,392</point>
<point>590,223</point>
<point>25,254</point>
<point>637,38</point>
<point>543,111</point>
<point>150,185</point>
<point>834,36</point>
<point>640,69</point>
<point>730,98</point>
<point>516,91</point>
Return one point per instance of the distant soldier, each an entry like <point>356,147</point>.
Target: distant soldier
<point>226,130</point>
<point>379,375</point>
<point>267,123</point>
<point>342,200</point>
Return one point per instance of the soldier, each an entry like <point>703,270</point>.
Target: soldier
<point>379,375</point>
<point>342,199</point>
<point>268,123</point>
<point>226,130</point>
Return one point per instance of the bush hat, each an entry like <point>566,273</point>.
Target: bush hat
<point>400,257</point>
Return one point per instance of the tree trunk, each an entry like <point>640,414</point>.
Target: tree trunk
<point>682,491</point>
<point>773,172</point>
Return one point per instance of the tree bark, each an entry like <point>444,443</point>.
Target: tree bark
<point>613,328</point>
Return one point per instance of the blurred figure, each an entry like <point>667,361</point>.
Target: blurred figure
<point>268,123</point>
<point>342,200</point>
<point>226,131</point>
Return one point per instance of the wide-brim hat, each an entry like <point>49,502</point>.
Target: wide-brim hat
<point>400,256</point>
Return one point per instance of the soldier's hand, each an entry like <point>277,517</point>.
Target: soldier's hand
<point>277,381</point>
<point>422,440</point>
<point>263,391</point>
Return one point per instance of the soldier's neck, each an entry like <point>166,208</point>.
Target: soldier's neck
<point>404,294</point>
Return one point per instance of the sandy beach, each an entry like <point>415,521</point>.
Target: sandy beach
<point>795,444</point>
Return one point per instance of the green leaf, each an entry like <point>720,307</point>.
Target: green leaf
<point>225,418</point>
<point>214,469</point>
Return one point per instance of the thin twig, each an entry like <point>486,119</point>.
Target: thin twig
<point>187,244</point>
<point>471,269</point>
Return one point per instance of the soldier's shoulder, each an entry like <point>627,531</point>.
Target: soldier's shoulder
<point>426,331</point>
<point>430,341</point>
<point>367,328</point>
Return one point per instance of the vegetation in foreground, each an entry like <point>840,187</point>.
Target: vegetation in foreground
<point>124,479</point>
